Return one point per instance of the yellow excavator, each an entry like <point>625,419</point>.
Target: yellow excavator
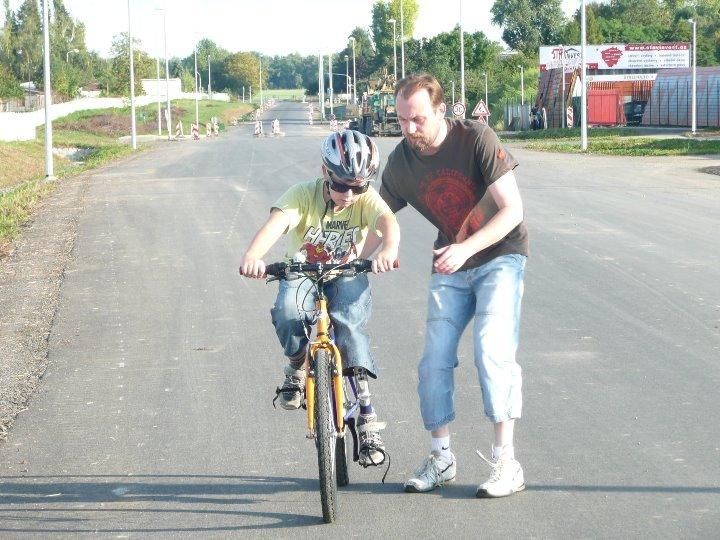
<point>376,115</point>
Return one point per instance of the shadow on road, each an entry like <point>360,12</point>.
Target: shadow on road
<point>77,498</point>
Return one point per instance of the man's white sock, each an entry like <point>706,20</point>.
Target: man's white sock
<point>441,446</point>
<point>505,452</point>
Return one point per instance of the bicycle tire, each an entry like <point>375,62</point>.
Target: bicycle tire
<point>341,463</point>
<point>325,435</point>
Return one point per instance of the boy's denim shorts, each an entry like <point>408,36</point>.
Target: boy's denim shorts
<point>490,294</point>
<point>349,304</point>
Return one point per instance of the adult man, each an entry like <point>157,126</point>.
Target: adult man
<point>459,177</point>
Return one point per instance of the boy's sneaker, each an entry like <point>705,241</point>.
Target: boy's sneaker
<point>372,449</point>
<point>434,472</point>
<point>507,478</point>
<point>292,390</point>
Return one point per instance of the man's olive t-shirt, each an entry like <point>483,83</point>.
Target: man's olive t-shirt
<point>449,187</point>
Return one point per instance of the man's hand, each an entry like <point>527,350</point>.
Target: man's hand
<point>451,258</point>
<point>384,261</point>
<point>252,267</point>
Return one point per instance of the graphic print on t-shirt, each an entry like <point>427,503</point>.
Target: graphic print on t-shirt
<point>452,198</point>
<point>333,243</point>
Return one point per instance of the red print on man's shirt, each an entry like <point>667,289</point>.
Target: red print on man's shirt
<point>452,199</point>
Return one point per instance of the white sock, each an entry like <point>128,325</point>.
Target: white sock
<point>505,452</point>
<point>441,446</point>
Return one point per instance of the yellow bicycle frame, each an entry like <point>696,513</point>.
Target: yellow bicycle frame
<point>323,341</point>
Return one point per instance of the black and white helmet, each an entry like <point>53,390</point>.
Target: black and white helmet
<point>350,154</point>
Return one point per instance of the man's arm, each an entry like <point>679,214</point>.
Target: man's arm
<point>506,195</point>
<point>252,264</point>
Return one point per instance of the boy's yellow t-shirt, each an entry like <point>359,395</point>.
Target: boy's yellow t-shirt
<point>342,234</point>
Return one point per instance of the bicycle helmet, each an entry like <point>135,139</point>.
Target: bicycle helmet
<point>350,154</point>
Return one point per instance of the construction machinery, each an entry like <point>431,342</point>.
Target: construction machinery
<point>376,115</point>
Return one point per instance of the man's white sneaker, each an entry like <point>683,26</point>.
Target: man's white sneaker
<point>434,472</point>
<point>507,478</point>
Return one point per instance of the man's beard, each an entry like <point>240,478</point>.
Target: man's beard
<point>420,143</point>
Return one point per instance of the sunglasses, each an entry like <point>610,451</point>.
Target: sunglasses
<point>344,188</point>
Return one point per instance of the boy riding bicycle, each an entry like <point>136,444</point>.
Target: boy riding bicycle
<point>328,220</point>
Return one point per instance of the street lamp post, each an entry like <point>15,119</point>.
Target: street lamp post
<point>462,59</point>
<point>331,83</point>
<point>583,99</point>
<point>210,79</point>
<point>402,39</point>
<point>354,78</point>
<point>67,54</point>
<point>262,103</point>
<point>168,112</point>
<point>197,115</point>
<point>394,23</point>
<point>694,76</point>
<point>321,87</point>
<point>484,74</point>
<point>133,125</point>
<point>563,115</point>
<point>49,172</point>
<point>522,85</point>
<point>347,81</point>
<point>157,90</point>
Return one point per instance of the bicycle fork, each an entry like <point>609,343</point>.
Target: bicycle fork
<point>323,341</point>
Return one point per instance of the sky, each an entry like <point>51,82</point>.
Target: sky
<point>272,27</point>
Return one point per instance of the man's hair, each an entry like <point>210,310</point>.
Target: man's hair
<point>412,83</point>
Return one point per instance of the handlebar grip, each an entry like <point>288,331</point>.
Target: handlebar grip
<point>363,265</point>
<point>275,269</point>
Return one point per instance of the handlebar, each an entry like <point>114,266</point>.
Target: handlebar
<point>281,270</point>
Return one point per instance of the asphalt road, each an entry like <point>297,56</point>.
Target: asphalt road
<point>155,413</point>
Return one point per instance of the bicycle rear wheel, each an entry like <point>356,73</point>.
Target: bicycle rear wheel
<point>341,462</point>
<point>325,434</point>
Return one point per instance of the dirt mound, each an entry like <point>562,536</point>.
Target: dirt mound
<point>115,124</point>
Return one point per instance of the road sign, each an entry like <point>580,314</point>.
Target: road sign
<point>569,121</point>
<point>481,109</point>
<point>458,110</point>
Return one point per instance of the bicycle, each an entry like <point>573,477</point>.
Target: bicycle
<point>331,398</point>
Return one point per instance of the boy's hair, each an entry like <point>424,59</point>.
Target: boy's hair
<point>412,83</point>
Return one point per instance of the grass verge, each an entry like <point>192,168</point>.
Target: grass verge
<point>574,133</point>
<point>635,146</point>
<point>15,208</point>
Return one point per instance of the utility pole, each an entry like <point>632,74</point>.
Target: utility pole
<point>331,82</point>
<point>321,87</point>
<point>197,115</point>
<point>133,127</point>
<point>462,59</point>
<point>583,99</point>
<point>210,79</point>
<point>49,166</point>
<point>402,40</point>
<point>157,90</point>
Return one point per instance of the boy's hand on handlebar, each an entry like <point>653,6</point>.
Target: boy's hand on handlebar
<point>252,267</point>
<point>384,261</point>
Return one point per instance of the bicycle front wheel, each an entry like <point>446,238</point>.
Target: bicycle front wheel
<point>325,434</point>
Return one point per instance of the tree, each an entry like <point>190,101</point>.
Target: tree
<point>120,65</point>
<point>9,86</point>
<point>27,42</point>
<point>243,69</point>
<point>527,24</point>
